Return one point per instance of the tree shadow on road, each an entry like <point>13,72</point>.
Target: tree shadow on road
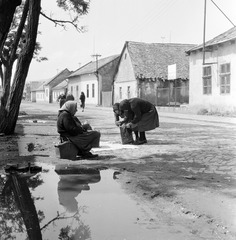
<point>160,142</point>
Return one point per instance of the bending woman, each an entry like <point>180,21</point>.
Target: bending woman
<point>144,116</point>
<point>69,126</point>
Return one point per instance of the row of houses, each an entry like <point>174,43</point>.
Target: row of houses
<point>165,74</point>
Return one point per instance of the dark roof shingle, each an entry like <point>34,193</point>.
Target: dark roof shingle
<point>91,67</point>
<point>151,60</point>
<point>224,37</point>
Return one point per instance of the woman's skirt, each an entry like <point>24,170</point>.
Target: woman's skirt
<point>86,140</point>
<point>149,121</point>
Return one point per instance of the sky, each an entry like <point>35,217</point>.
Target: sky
<point>110,23</point>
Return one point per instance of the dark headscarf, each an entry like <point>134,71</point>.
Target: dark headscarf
<point>116,107</point>
<point>70,97</point>
<point>125,105</point>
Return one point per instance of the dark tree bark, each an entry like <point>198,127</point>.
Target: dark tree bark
<point>9,112</point>
<point>12,93</point>
<point>9,61</point>
<point>26,206</point>
<point>7,10</point>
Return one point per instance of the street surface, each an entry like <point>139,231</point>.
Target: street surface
<point>184,177</point>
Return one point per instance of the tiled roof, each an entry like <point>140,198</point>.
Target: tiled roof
<point>40,87</point>
<point>224,37</point>
<point>91,67</point>
<point>151,60</point>
<point>58,75</point>
<point>60,85</point>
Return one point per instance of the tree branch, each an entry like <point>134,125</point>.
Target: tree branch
<point>59,217</point>
<point>63,22</point>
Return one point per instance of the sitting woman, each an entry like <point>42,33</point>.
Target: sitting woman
<point>69,127</point>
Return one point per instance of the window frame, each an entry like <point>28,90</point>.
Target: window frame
<point>207,80</point>
<point>225,78</point>
<point>87,90</point>
<point>128,92</point>
<point>93,90</point>
<point>120,92</point>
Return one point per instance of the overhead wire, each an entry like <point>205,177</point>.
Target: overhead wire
<point>149,17</point>
<point>223,13</point>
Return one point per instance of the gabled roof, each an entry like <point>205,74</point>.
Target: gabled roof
<point>39,88</point>
<point>59,77</point>
<point>91,67</point>
<point>151,60</point>
<point>36,84</point>
<point>61,85</point>
<point>224,37</point>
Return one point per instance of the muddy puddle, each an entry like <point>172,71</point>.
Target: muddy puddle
<point>61,202</point>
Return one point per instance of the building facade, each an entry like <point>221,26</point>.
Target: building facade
<point>143,71</point>
<point>213,73</point>
<point>95,79</point>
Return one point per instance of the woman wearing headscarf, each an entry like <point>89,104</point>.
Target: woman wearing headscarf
<point>144,116</point>
<point>70,97</point>
<point>69,127</point>
<point>122,118</point>
<point>62,99</point>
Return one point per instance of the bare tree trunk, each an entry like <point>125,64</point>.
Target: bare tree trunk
<point>9,114</point>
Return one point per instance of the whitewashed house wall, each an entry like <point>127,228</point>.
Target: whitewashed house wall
<point>87,84</point>
<point>40,96</point>
<point>216,101</point>
<point>56,94</point>
<point>125,79</point>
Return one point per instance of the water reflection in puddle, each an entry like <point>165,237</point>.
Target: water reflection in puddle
<point>78,206</point>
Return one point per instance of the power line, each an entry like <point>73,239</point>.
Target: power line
<point>222,12</point>
<point>149,17</point>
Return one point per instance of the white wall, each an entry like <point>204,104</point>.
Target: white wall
<point>56,94</point>
<point>125,78</point>
<point>124,90</point>
<point>40,96</point>
<point>47,93</point>
<point>214,101</point>
<point>82,82</point>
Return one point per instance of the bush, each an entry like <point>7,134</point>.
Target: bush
<point>202,111</point>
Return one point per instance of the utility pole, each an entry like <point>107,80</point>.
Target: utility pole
<point>96,57</point>
<point>204,33</point>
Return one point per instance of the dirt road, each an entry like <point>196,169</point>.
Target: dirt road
<point>184,176</point>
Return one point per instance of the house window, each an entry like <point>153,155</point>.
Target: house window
<point>77,91</point>
<point>120,92</point>
<point>128,92</point>
<point>207,80</point>
<point>71,89</point>
<point>87,90</point>
<point>125,55</point>
<point>93,90</point>
<point>225,78</point>
<point>46,92</point>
